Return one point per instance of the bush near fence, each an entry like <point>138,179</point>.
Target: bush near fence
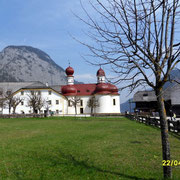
<point>173,126</point>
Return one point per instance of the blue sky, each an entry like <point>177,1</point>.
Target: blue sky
<point>47,25</point>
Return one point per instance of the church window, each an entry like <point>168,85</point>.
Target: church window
<point>114,102</point>
<point>49,102</point>
<point>22,103</point>
<point>81,102</point>
<point>69,103</point>
<point>57,101</point>
<point>49,92</point>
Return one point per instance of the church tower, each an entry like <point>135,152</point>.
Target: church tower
<point>70,77</point>
<point>100,76</point>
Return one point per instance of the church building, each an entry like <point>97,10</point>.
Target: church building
<point>105,94</point>
<point>70,99</point>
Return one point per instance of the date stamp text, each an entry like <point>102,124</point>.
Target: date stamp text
<point>171,163</point>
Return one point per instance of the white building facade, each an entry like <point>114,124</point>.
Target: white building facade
<point>68,99</point>
<point>52,101</point>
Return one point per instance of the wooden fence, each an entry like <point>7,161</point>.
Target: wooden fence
<point>173,126</point>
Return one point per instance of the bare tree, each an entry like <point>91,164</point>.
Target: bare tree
<point>47,106</point>
<point>35,101</point>
<point>136,38</point>
<point>74,101</point>
<point>93,103</point>
<point>2,104</point>
<point>9,98</point>
<point>15,101</point>
<point>12,101</point>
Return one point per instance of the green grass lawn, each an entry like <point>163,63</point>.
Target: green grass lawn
<point>82,148</point>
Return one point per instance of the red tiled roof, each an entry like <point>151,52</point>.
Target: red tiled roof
<point>87,89</point>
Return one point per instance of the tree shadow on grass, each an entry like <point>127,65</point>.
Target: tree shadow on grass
<point>83,163</point>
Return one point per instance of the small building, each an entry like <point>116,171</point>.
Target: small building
<point>146,101</point>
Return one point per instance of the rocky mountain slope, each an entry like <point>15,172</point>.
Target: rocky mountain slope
<point>25,63</point>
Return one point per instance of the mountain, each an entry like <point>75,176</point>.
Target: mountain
<point>25,63</point>
<point>127,106</point>
<point>174,77</point>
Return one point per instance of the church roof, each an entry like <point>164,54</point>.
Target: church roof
<point>85,89</point>
<point>14,86</point>
<point>89,89</point>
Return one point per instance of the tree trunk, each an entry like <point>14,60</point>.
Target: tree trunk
<point>167,170</point>
<point>75,109</point>
<point>9,109</point>
<point>91,110</point>
<point>14,109</point>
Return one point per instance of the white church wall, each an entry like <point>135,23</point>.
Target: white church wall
<point>86,109</point>
<point>81,105</point>
<point>84,106</point>
<point>116,106</point>
<point>108,104</point>
<point>104,104</point>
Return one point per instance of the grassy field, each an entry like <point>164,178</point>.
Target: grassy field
<point>81,148</point>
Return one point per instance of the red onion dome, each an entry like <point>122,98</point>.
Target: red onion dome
<point>113,89</point>
<point>103,88</point>
<point>69,71</point>
<point>69,90</point>
<point>100,72</point>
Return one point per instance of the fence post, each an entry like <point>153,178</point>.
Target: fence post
<point>169,126</point>
<point>178,126</point>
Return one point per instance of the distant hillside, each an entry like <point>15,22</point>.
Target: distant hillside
<point>174,75</point>
<point>126,106</point>
<point>25,63</point>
